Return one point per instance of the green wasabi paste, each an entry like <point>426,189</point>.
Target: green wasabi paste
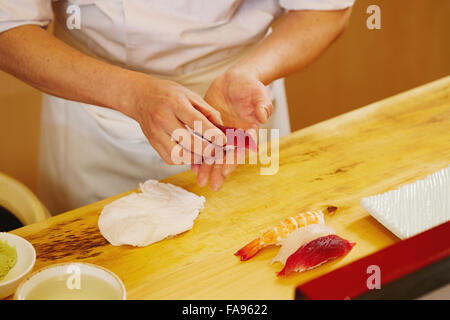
<point>8,258</point>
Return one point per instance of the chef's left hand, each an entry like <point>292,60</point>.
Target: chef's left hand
<point>243,102</point>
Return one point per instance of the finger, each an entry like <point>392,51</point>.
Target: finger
<point>188,157</point>
<point>208,157</point>
<point>263,112</point>
<point>203,174</point>
<point>173,153</point>
<point>217,179</point>
<point>270,108</point>
<point>195,167</point>
<point>189,116</point>
<point>164,146</point>
<point>228,168</point>
<point>230,161</point>
<point>202,106</point>
<point>263,104</point>
<point>188,140</point>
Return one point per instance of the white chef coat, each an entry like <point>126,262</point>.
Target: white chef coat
<point>87,152</point>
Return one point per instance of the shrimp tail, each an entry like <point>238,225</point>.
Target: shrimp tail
<point>249,250</point>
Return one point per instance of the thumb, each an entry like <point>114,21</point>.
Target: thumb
<point>263,104</point>
<point>263,112</point>
<point>209,112</point>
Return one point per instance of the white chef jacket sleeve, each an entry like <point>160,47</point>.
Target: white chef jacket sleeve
<point>14,13</point>
<point>316,4</point>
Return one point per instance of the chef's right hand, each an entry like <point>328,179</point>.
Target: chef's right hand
<point>162,106</point>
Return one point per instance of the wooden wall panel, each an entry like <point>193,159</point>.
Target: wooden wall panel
<point>20,107</point>
<point>363,66</point>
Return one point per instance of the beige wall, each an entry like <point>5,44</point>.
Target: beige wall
<point>363,66</point>
<point>20,107</point>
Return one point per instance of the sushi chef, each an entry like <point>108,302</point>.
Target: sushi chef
<point>118,76</point>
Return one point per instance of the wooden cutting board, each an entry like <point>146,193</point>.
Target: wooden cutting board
<point>337,162</point>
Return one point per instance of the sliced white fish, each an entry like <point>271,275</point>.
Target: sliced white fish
<point>161,210</point>
<point>300,237</point>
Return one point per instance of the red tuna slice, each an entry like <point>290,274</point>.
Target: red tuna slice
<point>235,135</point>
<point>315,253</point>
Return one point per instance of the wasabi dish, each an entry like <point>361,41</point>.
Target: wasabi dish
<point>8,258</point>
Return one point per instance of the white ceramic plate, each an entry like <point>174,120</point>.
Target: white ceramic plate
<point>413,208</point>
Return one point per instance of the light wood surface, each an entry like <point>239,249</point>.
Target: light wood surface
<point>336,162</point>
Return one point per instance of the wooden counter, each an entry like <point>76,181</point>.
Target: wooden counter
<point>337,162</point>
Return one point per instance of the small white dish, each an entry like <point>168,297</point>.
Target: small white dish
<point>72,281</point>
<point>413,208</point>
<point>26,258</point>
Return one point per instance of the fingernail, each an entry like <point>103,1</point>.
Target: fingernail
<point>215,186</point>
<point>227,170</point>
<point>202,180</point>
<point>219,117</point>
<point>265,112</point>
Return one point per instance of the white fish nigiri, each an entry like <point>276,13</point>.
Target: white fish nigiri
<point>300,237</point>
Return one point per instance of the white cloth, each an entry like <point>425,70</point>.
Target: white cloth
<point>159,211</point>
<point>88,153</point>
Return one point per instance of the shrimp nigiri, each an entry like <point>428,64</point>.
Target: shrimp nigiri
<point>279,232</point>
<point>315,253</point>
<point>299,238</point>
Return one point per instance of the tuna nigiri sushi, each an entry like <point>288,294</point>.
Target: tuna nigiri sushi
<point>315,253</point>
<point>299,238</point>
<point>279,233</point>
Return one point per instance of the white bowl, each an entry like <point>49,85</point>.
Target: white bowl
<point>66,289</point>
<point>26,257</point>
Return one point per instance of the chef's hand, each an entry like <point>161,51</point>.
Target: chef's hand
<point>243,102</point>
<point>162,106</point>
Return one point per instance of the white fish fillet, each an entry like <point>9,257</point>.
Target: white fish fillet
<point>161,210</point>
<point>300,237</point>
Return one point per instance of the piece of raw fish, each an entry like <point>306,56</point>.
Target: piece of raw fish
<point>315,253</point>
<point>237,139</point>
<point>235,135</point>
<point>300,237</point>
<point>161,210</point>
